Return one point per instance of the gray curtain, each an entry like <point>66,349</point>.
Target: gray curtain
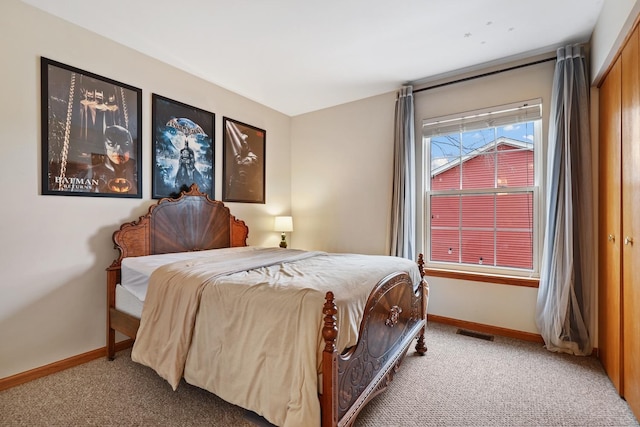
<point>565,295</point>
<point>403,210</point>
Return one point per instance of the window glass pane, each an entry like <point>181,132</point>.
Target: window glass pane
<point>445,245</point>
<point>513,249</point>
<point>479,172</point>
<point>445,211</point>
<point>515,158</point>
<point>515,211</point>
<point>515,166</point>
<point>478,141</point>
<point>478,211</point>
<point>477,247</point>
<point>517,131</point>
<point>445,160</point>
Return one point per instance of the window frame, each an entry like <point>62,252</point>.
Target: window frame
<point>451,269</point>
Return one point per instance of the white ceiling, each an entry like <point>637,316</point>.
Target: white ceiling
<point>297,56</point>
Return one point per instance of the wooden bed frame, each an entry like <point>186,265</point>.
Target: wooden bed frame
<point>394,315</point>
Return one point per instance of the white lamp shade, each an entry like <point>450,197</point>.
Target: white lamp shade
<point>283,223</point>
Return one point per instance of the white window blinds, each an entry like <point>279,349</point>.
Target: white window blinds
<point>495,116</point>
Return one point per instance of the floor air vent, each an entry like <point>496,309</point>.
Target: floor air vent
<point>474,334</point>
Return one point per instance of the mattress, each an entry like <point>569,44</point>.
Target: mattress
<point>135,272</point>
<point>128,302</point>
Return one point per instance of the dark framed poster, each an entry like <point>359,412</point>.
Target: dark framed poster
<point>183,148</point>
<point>91,134</point>
<point>243,174</point>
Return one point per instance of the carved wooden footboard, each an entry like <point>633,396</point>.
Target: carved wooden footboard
<point>395,314</point>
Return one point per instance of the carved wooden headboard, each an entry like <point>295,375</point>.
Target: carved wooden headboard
<point>190,222</point>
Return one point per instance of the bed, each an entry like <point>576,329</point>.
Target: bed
<point>332,328</point>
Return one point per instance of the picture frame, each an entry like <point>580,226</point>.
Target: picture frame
<point>91,134</point>
<point>183,148</point>
<point>243,164</point>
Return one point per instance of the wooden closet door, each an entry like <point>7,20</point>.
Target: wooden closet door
<point>631,221</point>
<point>609,239</point>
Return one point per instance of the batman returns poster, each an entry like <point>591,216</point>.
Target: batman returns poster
<point>91,133</point>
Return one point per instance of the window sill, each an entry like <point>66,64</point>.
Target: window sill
<point>487,278</point>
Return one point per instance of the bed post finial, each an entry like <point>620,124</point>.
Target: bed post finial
<point>421,265</point>
<point>421,347</point>
<point>330,329</point>
<point>329,397</point>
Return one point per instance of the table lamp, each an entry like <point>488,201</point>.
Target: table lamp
<point>283,224</point>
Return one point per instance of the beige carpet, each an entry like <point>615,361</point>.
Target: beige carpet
<point>462,381</point>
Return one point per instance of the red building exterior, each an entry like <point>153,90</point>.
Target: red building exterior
<point>494,229</point>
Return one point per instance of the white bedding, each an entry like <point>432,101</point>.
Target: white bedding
<point>135,272</point>
<point>128,302</point>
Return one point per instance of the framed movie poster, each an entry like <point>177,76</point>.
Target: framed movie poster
<point>183,148</point>
<point>243,162</point>
<point>91,134</point>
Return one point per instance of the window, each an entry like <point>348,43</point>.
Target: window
<point>482,178</point>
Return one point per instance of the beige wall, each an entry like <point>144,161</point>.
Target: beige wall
<point>342,168</point>
<point>55,249</point>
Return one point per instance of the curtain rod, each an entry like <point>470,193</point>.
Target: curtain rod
<point>553,58</point>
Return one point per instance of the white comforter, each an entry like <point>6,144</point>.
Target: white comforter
<point>249,328</point>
